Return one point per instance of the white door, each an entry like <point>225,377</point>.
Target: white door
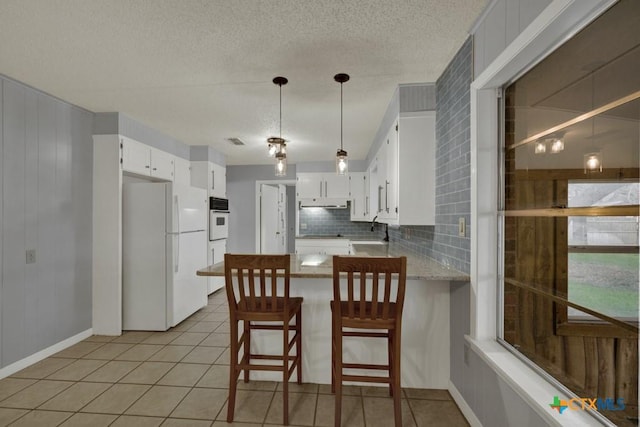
<point>269,234</point>
<point>282,219</point>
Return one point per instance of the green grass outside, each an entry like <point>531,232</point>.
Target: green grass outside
<point>597,270</point>
<point>625,261</point>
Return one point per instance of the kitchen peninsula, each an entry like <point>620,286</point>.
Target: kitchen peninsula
<point>425,329</point>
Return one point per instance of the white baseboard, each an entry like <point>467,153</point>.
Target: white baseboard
<point>464,407</point>
<point>43,354</point>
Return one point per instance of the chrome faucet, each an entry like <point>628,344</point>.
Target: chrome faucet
<point>373,222</point>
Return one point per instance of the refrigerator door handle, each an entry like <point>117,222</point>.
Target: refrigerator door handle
<point>177,206</point>
<point>177,238</point>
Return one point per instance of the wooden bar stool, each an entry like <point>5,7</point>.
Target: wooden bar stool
<point>368,311</point>
<point>254,298</point>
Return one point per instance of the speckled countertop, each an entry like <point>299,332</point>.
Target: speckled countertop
<point>321,266</point>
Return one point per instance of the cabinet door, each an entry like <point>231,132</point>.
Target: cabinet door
<point>218,181</point>
<point>391,202</point>
<point>309,186</point>
<point>359,189</point>
<point>381,191</point>
<point>136,157</point>
<point>336,186</point>
<point>200,174</point>
<point>182,171</point>
<point>162,164</point>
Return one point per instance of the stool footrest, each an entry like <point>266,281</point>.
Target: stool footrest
<point>364,366</point>
<point>365,334</point>
<point>366,379</point>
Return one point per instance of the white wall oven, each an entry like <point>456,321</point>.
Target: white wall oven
<point>218,218</point>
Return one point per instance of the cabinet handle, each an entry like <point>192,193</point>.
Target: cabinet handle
<point>147,167</point>
<point>155,169</point>
<point>320,188</point>
<point>353,207</point>
<point>213,180</point>
<point>379,198</point>
<point>386,196</point>
<point>366,206</point>
<point>325,189</point>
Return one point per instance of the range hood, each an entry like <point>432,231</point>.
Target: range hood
<point>323,202</point>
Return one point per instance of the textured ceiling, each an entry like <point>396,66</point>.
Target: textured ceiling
<point>201,70</point>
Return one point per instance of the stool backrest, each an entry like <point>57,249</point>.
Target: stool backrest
<point>256,280</point>
<point>370,282</point>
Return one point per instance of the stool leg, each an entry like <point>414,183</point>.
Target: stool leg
<point>285,373</point>
<point>397,392</point>
<point>299,343</point>
<point>233,369</point>
<point>247,347</point>
<point>333,354</point>
<point>338,373</point>
<point>390,359</point>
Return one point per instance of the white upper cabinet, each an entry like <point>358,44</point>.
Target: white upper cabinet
<point>136,157</point>
<point>406,171</point>
<point>141,159</point>
<point>218,181</point>
<point>210,176</point>
<point>309,185</point>
<point>359,187</point>
<point>162,164</point>
<point>322,188</point>
<point>182,172</point>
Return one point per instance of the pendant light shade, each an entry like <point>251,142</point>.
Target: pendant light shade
<point>342,163</point>
<point>277,145</point>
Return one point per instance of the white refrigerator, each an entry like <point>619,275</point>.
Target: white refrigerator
<point>164,242</point>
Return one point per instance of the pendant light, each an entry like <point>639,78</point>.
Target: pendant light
<point>342,165</point>
<point>277,145</point>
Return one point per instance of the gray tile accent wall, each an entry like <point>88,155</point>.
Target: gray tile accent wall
<point>453,180</point>
<point>453,161</point>
<point>331,222</point>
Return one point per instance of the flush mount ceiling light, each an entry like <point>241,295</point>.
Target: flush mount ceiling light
<point>342,165</point>
<point>277,145</point>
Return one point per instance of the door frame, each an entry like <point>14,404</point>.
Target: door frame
<point>286,182</point>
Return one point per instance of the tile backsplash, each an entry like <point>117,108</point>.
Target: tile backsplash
<point>331,222</point>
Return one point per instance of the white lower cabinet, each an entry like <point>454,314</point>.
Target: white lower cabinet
<point>323,246</point>
<point>217,249</point>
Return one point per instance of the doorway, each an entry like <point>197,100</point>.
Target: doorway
<point>275,217</point>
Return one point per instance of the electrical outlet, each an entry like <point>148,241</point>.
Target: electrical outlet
<point>31,256</point>
<point>462,228</point>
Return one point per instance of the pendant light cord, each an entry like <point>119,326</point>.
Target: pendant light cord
<point>280,111</point>
<point>340,116</point>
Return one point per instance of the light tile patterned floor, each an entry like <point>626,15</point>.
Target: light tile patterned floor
<point>180,378</point>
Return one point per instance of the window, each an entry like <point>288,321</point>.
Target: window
<point>570,212</point>
<point>603,257</point>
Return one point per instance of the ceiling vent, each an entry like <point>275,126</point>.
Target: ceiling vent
<point>235,141</point>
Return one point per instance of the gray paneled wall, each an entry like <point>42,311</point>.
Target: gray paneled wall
<point>46,177</point>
